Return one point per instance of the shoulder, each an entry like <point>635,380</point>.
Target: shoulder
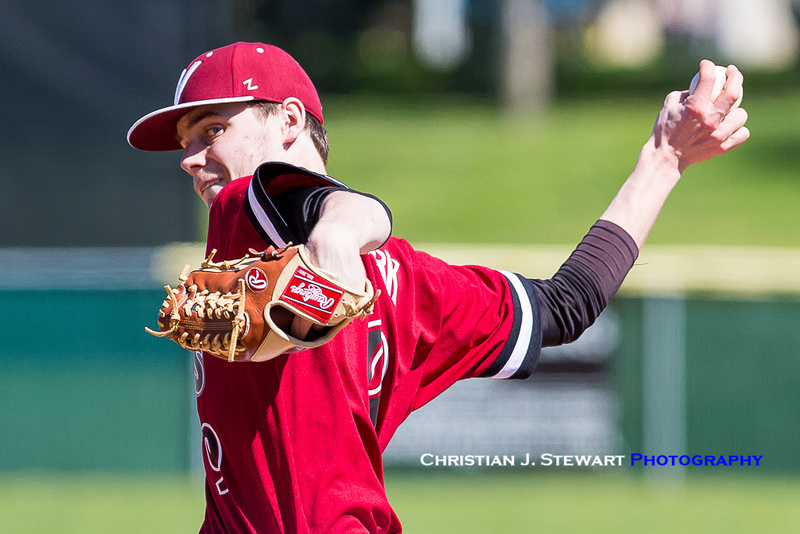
<point>230,199</point>
<point>399,253</point>
<point>229,228</point>
<point>232,194</point>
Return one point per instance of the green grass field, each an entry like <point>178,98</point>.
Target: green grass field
<point>459,172</point>
<point>432,502</point>
<point>498,502</point>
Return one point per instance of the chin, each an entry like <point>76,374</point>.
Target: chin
<point>210,194</point>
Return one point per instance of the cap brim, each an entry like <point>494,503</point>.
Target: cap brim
<point>157,131</point>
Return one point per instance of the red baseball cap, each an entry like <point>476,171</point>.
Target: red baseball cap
<point>235,73</point>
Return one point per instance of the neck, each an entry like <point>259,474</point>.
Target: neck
<point>313,164</point>
<point>303,153</point>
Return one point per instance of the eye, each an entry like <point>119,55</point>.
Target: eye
<point>212,132</point>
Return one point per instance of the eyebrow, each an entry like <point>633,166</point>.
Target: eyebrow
<point>194,120</point>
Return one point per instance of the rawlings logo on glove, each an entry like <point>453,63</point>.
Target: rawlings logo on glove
<point>311,295</point>
<point>242,310</point>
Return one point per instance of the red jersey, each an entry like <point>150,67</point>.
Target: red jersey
<point>294,444</point>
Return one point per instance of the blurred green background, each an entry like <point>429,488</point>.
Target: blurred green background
<point>459,172</point>
<point>466,148</point>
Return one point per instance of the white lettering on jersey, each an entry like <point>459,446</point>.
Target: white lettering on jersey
<point>213,450</point>
<point>378,358</point>
<point>388,268</point>
<point>199,373</point>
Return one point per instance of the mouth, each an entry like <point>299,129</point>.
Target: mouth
<point>208,184</point>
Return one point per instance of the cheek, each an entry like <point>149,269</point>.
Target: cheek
<point>251,157</point>
<point>241,155</point>
<point>240,166</point>
<point>223,162</point>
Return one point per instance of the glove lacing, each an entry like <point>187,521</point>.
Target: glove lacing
<point>204,304</point>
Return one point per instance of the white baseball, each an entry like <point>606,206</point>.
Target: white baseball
<point>718,85</point>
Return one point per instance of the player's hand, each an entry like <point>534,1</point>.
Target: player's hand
<point>349,225</point>
<point>691,128</point>
<point>333,248</point>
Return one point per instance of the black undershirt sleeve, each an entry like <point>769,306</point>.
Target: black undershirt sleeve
<point>572,299</point>
<point>301,207</point>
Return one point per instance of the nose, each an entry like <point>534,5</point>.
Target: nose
<point>194,158</point>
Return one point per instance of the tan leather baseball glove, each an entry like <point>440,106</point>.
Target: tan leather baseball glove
<point>241,310</point>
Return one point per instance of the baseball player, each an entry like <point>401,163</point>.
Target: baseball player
<point>294,444</point>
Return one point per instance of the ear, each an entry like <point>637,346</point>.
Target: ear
<point>294,119</point>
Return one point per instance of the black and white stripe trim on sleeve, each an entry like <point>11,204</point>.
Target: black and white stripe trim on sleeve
<point>521,352</point>
<point>265,216</point>
<point>271,179</point>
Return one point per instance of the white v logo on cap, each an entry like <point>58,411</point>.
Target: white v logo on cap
<point>183,80</point>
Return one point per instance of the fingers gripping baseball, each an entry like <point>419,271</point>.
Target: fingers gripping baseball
<point>693,127</point>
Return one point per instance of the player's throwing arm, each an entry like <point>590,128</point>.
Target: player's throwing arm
<point>691,127</point>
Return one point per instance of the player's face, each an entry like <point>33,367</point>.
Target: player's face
<point>222,143</point>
